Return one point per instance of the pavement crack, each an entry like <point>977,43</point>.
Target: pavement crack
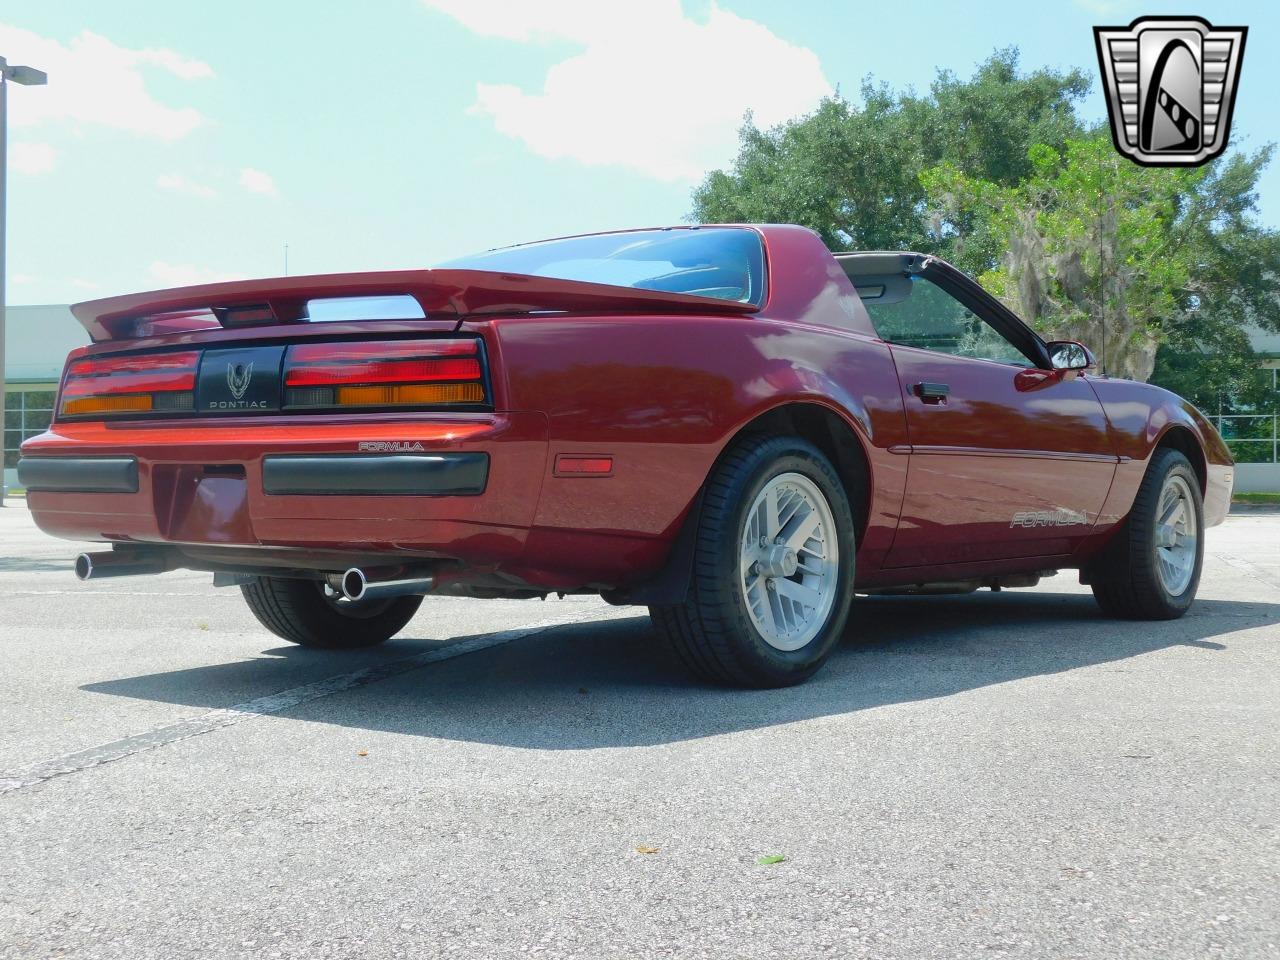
<point>1249,567</point>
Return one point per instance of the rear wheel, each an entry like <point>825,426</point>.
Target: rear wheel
<point>1151,569</point>
<point>303,612</point>
<point>773,568</point>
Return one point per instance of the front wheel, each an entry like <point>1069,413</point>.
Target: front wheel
<point>1151,569</point>
<point>773,568</point>
<point>303,612</point>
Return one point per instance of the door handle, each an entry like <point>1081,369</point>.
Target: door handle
<point>932,392</point>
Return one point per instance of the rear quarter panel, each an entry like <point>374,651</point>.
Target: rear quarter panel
<point>664,395</point>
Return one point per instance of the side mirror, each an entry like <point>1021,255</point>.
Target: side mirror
<point>1070,355</point>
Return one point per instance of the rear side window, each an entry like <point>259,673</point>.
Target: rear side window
<point>726,263</point>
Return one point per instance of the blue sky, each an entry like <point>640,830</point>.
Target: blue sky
<point>180,142</point>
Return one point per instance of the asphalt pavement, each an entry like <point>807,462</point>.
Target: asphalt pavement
<point>983,776</point>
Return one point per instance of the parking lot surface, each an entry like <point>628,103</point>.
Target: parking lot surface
<point>982,776</point>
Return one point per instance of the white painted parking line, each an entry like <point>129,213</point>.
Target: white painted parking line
<point>40,771</point>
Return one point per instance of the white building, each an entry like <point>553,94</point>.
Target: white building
<point>37,340</point>
<point>1258,456</point>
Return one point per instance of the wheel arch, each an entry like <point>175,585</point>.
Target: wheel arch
<point>833,433</point>
<point>1183,439</point>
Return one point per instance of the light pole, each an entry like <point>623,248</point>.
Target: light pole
<point>28,77</point>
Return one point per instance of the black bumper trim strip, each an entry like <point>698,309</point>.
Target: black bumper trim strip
<point>79,474</point>
<point>358,475</point>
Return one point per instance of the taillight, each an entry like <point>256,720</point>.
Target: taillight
<point>148,383</point>
<point>383,374</point>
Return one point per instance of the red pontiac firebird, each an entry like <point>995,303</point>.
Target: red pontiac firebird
<point>730,425</point>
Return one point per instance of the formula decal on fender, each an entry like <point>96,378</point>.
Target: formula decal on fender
<point>1062,517</point>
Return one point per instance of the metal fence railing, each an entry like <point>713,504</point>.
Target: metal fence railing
<point>1252,437</point>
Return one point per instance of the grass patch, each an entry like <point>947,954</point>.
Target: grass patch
<point>1256,498</point>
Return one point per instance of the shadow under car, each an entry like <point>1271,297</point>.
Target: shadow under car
<point>612,684</point>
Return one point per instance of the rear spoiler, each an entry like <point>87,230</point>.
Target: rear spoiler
<point>442,294</point>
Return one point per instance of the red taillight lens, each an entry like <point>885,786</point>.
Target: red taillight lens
<point>155,382</point>
<point>380,350</point>
<point>384,374</point>
<point>383,371</point>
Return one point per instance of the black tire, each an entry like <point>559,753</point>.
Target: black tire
<point>1125,578</point>
<point>712,632</point>
<point>300,612</point>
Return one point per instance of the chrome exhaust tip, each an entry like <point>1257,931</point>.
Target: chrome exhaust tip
<point>353,584</point>
<point>358,585</point>
<point>97,566</point>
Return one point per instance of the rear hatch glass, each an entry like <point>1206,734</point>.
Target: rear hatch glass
<point>726,263</point>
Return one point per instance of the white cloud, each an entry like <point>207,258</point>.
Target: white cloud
<point>255,181</point>
<point>653,89</point>
<point>180,66</point>
<point>185,274</point>
<point>82,284</point>
<point>32,158</point>
<point>22,279</point>
<point>94,81</point>
<point>177,183</point>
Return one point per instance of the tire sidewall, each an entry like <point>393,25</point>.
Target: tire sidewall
<point>299,611</point>
<point>770,461</point>
<point>1174,464</point>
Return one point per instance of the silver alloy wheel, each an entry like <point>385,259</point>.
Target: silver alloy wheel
<point>789,561</point>
<point>1176,535</point>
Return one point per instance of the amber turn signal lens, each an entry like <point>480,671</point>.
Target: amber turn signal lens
<point>385,395</point>
<point>123,403</point>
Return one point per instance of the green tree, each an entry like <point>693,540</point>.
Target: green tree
<point>1235,281</point>
<point>1158,270</point>
<point>853,174</point>
<point>1130,259</point>
<point>1090,251</point>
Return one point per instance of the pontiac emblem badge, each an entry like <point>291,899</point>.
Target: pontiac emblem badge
<point>238,377</point>
<point>1170,84</point>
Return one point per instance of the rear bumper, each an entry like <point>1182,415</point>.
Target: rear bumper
<point>79,474</point>
<point>462,487</point>
<point>417,475</point>
<point>330,494</point>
